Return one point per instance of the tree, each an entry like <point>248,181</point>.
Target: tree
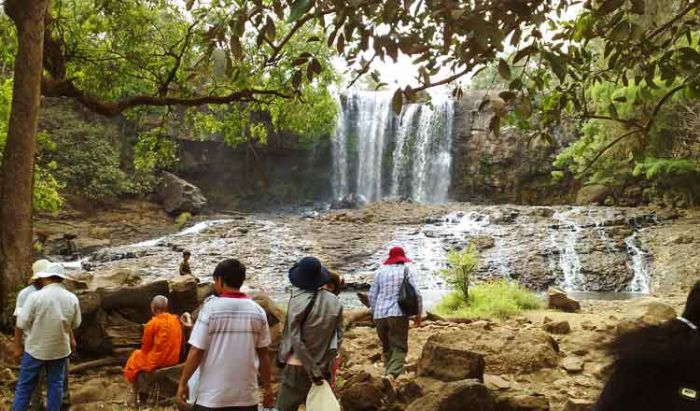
<point>16,191</point>
<point>462,266</point>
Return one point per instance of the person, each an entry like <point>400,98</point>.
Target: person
<point>312,334</point>
<point>160,345</point>
<point>46,319</point>
<point>229,346</point>
<point>185,264</point>
<point>392,324</point>
<point>656,367</point>
<point>335,285</point>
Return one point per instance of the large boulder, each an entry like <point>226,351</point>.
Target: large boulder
<point>183,294</point>
<point>133,303</point>
<point>521,402</point>
<point>644,312</point>
<point>444,361</point>
<point>160,384</point>
<point>559,300</point>
<point>457,396</point>
<point>179,196</point>
<point>594,194</point>
<point>366,391</point>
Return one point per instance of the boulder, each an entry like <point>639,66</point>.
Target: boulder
<point>483,242</point>
<point>522,402</point>
<point>91,336</point>
<point>593,194</point>
<point>183,294</point>
<point>134,303</point>
<point>116,277</point>
<point>366,391</point>
<point>559,300</point>
<point>457,396</point>
<point>646,311</point>
<point>351,201</point>
<point>447,362</point>
<point>572,365</point>
<point>179,196</point>
<point>557,327</point>
<point>161,384</point>
<point>275,315</point>
<point>574,404</point>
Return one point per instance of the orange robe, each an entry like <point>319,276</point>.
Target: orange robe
<point>160,346</point>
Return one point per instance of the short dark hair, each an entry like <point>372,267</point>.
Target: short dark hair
<point>56,279</point>
<point>186,253</point>
<point>231,272</point>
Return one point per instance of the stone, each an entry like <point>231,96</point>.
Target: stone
<point>496,382</point>
<point>114,278</point>
<point>483,242</point>
<point>559,300</point>
<point>350,201</point>
<point>557,327</point>
<point>85,245</point>
<point>644,312</point>
<point>593,194</point>
<point>457,396</point>
<point>522,402</point>
<point>448,362</point>
<point>179,196</point>
<point>160,384</point>
<point>134,303</point>
<point>362,397</point>
<point>574,404</point>
<point>183,294</point>
<point>572,365</point>
<point>275,314</point>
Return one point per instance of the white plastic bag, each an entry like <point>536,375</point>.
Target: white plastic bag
<point>321,398</point>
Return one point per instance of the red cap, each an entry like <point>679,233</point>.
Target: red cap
<point>397,255</point>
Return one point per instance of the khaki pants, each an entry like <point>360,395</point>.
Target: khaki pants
<point>393,332</point>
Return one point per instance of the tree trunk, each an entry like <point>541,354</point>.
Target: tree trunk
<point>17,176</point>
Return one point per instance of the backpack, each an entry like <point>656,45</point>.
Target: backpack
<point>408,297</point>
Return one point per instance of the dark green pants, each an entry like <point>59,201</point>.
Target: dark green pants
<point>294,388</point>
<point>393,332</point>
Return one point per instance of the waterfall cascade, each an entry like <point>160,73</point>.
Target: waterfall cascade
<point>378,154</point>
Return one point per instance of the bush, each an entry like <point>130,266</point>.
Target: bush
<point>183,219</point>
<point>497,299</point>
<point>462,265</point>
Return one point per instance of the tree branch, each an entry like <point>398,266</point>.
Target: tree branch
<point>609,146</point>
<point>443,81</point>
<point>630,122</point>
<point>163,90</point>
<point>65,88</point>
<point>692,5</point>
<point>660,104</point>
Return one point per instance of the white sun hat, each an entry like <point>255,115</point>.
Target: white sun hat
<point>37,267</point>
<point>52,270</point>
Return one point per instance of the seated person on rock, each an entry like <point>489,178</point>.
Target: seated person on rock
<point>160,345</point>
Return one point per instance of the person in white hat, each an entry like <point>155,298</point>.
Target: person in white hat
<point>47,318</point>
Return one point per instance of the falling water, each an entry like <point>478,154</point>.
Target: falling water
<point>378,154</point>
<point>640,266</point>
<point>569,260</point>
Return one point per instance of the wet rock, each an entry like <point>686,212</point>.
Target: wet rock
<point>457,396</point>
<point>179,196</point>
<point>160,384</point>
<point>350,201</point>
<point>443,360</point>
<point>521,402</point>
<point>593,194</point>
<point>605,270</point>
<point>559,300</point>
<point>572,365</point>
<point>574,404</point>
<point>647,311</point>
<point>557,327</point>
<point>483,242</point>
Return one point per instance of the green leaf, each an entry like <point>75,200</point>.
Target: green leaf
<point>298,9</point>
<point>524,53</point>
<point>609,6</point>
<point>558,65</point>
<point>397,102</point>
<point>621,31</point>
<point>504,69</point>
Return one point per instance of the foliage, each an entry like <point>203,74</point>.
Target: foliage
<point>497,299</point>
<point>183,219</point>
<point>462,265</point>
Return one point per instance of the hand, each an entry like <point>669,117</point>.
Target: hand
<point>183,394</point>
<point>268,398</point>
<point>317,380</point>
<point>17,353</point>
<point>417,321</point>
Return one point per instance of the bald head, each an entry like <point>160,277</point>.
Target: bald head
<point>159,304</point>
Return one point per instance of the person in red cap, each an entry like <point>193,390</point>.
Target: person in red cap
<point>391,322</point>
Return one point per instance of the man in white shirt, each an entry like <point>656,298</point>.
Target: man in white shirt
<point>47,318</point>
<point>228,344</point>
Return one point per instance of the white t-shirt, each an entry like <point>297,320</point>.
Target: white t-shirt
<point>229,330</point>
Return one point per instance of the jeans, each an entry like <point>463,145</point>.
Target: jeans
<point>200,408</point>
<point>37,401</point>
<point>29,378</point>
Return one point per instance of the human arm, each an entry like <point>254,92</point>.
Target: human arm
<point>19,345</point>
<point>266,377</point>
<point>194,359</point>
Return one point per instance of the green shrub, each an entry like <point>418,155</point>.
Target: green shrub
<point>462,265</point>
<point>183,219</point>
<point>497,299</point>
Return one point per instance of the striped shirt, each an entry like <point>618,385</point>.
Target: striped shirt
<point>384,294</point>
<point>229,330</point>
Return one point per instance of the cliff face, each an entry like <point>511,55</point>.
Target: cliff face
<point>502,169</point>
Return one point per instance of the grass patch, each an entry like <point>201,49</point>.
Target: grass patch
<point>496,299</point>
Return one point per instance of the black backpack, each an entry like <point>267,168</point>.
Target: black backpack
<point>408,297</point>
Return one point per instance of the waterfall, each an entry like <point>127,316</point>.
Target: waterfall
<point>640,266</point>
<point>569,261</point>
<point>378,154</point>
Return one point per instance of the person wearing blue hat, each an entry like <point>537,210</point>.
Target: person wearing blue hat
<point>312,334</point>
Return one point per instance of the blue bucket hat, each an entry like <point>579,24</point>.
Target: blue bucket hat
<point>309,274</point>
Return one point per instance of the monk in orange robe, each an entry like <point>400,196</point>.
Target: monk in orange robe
<point>160,345</point>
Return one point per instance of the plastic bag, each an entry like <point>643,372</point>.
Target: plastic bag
<point>321,398</point>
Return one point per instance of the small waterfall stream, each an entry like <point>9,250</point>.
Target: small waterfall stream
<point>377,154</point>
